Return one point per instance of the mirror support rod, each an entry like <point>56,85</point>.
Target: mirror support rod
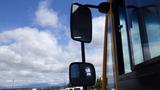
<point>91,6</point>
<point>83,52</point>
<point>83,58</point>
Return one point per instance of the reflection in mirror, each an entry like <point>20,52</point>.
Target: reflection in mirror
<point>75,71</point>
<point>82,74</point>
<point>74,8</point>
<point>81,23</point>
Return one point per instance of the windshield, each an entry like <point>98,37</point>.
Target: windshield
<point>35,44</point>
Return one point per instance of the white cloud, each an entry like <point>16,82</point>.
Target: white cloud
<point>29,55</point>
<point>33,52</point>
<point>45,16</point>
<point>94,53</point>
<point>98,31</point>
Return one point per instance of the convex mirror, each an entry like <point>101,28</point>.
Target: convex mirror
<point>82,74</point>
<point>81,23</point>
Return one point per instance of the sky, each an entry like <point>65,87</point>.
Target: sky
<point>35,42</point>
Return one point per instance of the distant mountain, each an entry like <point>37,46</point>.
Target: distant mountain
<point>41,85</point>
<point>37,85</point>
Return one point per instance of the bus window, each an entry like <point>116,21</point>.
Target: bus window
<point>152,20</point>
<point>144,24</point>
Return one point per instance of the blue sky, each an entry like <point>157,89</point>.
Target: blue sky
<point>21,13</point>
<point>35,43</point>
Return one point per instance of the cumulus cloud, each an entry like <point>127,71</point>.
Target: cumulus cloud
<point>98,30</point>
<point>45,16</point>
<point>31,52</point>
<point>29,55</point>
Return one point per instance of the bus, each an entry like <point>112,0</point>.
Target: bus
<point>135,42</point>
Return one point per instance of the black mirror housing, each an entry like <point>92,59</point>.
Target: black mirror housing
<point>104,7</point>
<point>81,23</point>
<point>82,74</point>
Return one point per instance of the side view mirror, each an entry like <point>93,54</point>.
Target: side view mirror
<point>81,23</point>
<point>82,74</point>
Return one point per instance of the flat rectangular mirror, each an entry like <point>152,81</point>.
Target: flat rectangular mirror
<point>81,23</point>
<point>82,74</point>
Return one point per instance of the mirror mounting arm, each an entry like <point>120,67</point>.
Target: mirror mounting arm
<point>83,52</point>
<point>91,6</point>
<point>102,7</point>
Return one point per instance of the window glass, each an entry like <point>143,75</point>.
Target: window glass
<point>74,71</point>
<point>126,58</point>
<point>135,38</point>
<point>152,20</point>
<point>143,22</point>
